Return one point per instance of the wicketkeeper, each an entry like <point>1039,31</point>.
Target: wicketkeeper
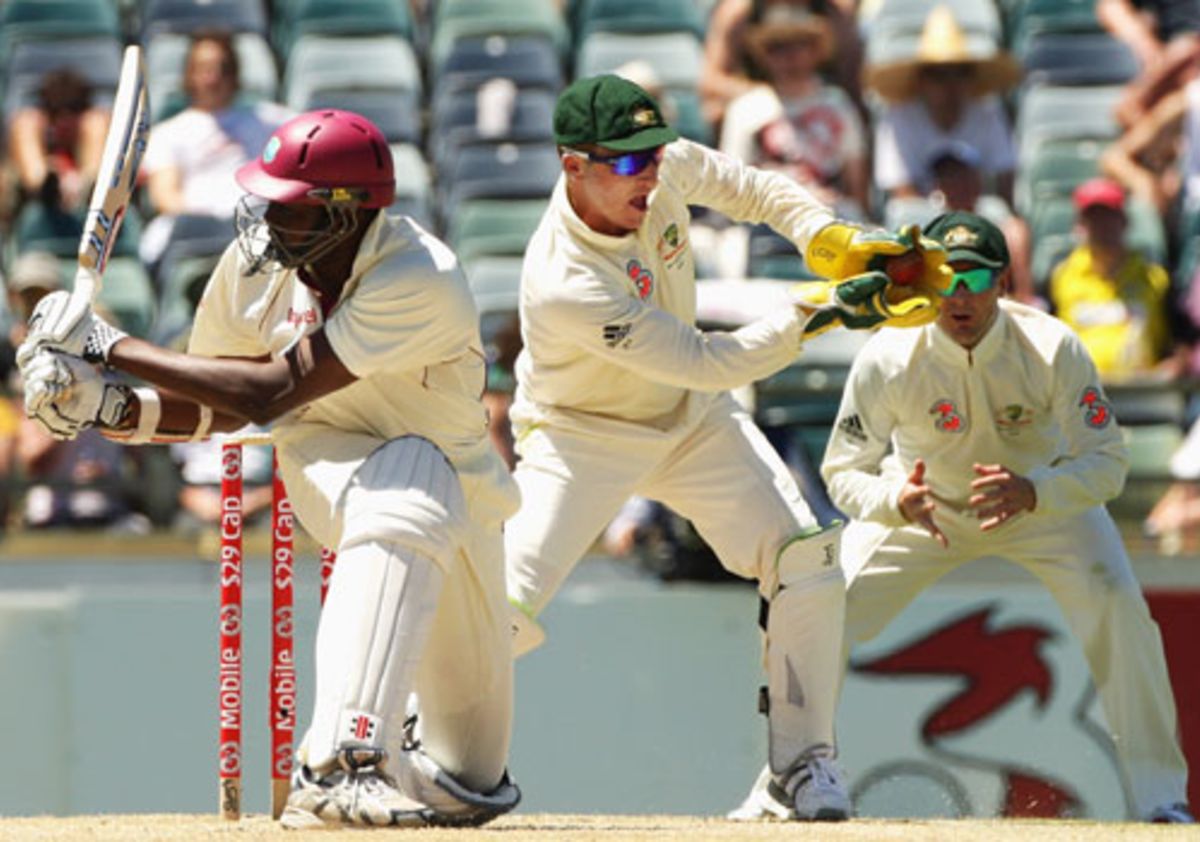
<point>619,393</point>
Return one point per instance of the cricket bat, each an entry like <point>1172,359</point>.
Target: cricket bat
<point>115,181</point>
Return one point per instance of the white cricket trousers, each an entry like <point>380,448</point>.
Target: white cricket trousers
<point>1083,563</point>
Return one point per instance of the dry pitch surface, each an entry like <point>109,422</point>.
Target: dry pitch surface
<point>552,828</point>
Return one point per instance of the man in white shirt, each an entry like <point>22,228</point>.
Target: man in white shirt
<point>987,433</point>
<point>191,158</point>
<point>618,393</point>
<point>354,335</point>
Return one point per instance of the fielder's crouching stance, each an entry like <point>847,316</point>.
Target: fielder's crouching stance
<point>355,333</point>
<point>619,392</point>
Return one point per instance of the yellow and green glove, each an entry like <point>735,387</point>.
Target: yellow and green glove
<point>913,270</point>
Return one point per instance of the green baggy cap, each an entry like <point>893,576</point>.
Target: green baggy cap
<point>968,236</point>
<point>611,112</point>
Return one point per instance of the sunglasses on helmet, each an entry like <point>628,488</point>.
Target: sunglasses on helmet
<point>627,163</point>
<point>975,280</point>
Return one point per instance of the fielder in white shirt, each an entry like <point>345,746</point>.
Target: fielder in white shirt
<point>987,433</point>
<point>618,393</point>
<point>355,335</point>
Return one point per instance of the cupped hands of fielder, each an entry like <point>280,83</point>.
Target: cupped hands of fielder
<point>998,495</point>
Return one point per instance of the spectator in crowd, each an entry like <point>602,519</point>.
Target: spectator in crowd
<point>34,274</point>
<point>944,93</point>
<point>796,122</point>
<point>1156,158</point>
<point>1112,296</point>
<point>191,157</point>
<point>728,70</point>
<point>55,145</point>
<point>1165,37</point>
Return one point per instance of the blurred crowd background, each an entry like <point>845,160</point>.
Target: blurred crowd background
<point>1073,124</point>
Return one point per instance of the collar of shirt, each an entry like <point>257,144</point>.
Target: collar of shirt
<point>986,351</point>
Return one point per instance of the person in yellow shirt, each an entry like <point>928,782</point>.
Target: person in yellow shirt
<point>1113,296</point>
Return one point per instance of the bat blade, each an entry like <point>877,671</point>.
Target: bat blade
<point>117,176</point>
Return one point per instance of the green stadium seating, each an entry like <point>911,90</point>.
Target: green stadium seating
<point>638,16</point>
<point>457,19</point>
<point>491,228</point>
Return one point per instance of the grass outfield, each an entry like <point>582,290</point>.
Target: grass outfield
<point>552,828</point>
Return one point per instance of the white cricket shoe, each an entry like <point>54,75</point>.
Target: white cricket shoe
<point>357,794</point>
<point>814,791</point>
<point>1171,814</point>
<point>761,804</point>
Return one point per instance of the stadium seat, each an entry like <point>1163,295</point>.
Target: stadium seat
<point>456,122</point>
<point>24,20</point>
<point>1058,58</point>
<point>530,62</point>
<point>413,189</point>
<point>771,255</point>
<point>166,56</point>
<point>128,294</point>
<point>1056,169</point>
<point>378,63</point>
<point>192,235</point>
<point>1037,17</point>
<point>39,228</point>
<point>179,295</point>
<point>500,171</point>
<point>495,283</point>
<point>638,16</point>
<point>1059,112</point>
<point>457,19</point>
<point>96,58</point>
<point>341,17</point>
<point>675,56</point>
<point>185,16</point>
<point>491,228</point>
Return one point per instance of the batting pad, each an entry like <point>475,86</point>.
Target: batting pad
<point>371,638</point>
<point>804,650</point>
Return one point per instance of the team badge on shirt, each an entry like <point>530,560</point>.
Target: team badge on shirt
<point>1096,410</point>
<point>1012,418</point>
<point>670,244</point>
<point>946,416</point>
<point>642,278</point>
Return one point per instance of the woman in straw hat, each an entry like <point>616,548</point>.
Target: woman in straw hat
<point>941,94</point>
<point>795,122</point>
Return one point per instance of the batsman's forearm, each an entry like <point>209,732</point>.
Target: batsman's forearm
<point>252,390</point>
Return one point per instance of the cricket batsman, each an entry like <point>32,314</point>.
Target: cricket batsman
<point>619,393</point>
<point>354,334</point>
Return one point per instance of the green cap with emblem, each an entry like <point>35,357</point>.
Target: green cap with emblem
<point>968,236</point>
<point>611,112</point>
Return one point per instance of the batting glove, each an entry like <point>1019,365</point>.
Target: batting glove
<point>91,337</point>
<point>86,399</point>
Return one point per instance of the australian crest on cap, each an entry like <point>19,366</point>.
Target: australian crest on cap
<point>959,235</point>
<point>644,117</point>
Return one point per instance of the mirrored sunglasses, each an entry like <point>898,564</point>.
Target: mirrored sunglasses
<point>975,280</point>
<point>627,163</point>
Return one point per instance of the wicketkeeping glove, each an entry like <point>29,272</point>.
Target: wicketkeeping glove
<point>91,337</point>
<point>915,266</point>
<point>855,303</point>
